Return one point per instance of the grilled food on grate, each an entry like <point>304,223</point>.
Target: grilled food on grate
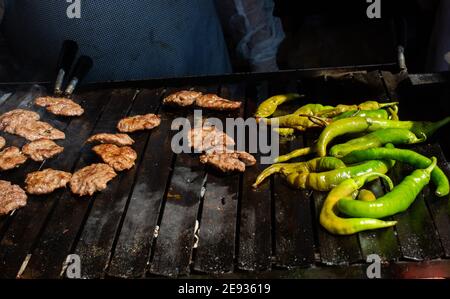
<point>209,139</point>
<point>214,102</point>
<point>91,179</point>
<point>187,98</point>
<point>42,149</point>
<point>182,98</point>
<point>60,106</point>
<point>228,162</point>
<point>46,181</point>
<point>34,130</point>
<point>10,120</point>
<point>138,122</point>
<point>10,158</point>
<point>11,197</point>
<point>117,139</point>
<point>119,158</point>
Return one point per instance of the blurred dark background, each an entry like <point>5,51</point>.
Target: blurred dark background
<point>339,33</point>
<point>323,34</point>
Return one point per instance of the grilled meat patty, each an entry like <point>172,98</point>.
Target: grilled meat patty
<point>182,98</point>
<point>10,120</point>
<point>26,124</point>
<point>42,149</point>
<point>60,106</point>
<point>228,162</point>
<point>10,158</point>
<point>117,139</point>
<point>2,142</point>
<point>11,197</point>
<point>214,102</point>
<point>34,130</point>
<point>186,98</point>
<point>209,139</point>
<point>46,181</point>
<point>138,122</point>
<point>119,158</point>
<point>91,179</point>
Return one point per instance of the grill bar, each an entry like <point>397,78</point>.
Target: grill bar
<point>240,228</point>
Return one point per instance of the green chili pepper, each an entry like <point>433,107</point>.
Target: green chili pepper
<point>301,121</point>
<point>296,153</point>
<point>376,139</point>
<point>338,128</point>
<point>325,181</point>
<point>419,128</point>
<point>307,117</point>
<point>314,165</point>
<point>380,113</point>
<point>410,157</point>
<point>346,226</point>
<point>396,201</point>
<point>361,124</point>
<point>369,105</point>
<point>311,109</point>
<point>269,106</point>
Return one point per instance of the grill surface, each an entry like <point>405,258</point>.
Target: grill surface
<point>243,232</point>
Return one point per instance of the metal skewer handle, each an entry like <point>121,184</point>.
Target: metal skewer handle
<point>66,58</point>
<point>82,67</point>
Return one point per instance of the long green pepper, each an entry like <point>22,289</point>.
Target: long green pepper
<point>395,201</point>
<point>314,165</point>
<point>361,124</point>
<point>376,139</point>
<point>347,226</point>
<point>410,157</point>
<point>269,106</point>
<point>325,181</point>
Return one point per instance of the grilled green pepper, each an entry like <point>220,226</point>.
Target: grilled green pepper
<point>396,201</point>
<point>347,226</point>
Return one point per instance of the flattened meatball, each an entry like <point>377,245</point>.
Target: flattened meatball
<point>12,197</point>
<point>117,139</point>
<point>46,181</point>
<point>120,158</point>
<point>91,179</point>
<point>182,98</point>
<point>228,162</point>
<point>60,106</point>
<point>10,158</point>
<point>214,102</point>
<point>138,122</point>
<point>42,149</point>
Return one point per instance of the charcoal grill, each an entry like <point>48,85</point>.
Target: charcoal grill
<point>144,224</point>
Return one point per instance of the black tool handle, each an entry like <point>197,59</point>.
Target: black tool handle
<point>66,58</point>
<point>82,67</point>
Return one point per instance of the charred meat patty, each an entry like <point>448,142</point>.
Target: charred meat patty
<point>10,158</point>
<point>91,179</point>
<point>46,181</point>
<point>60,106</point>
<point>42,149</point>
<point>138,122</point>
<point>229,162</point>
<point>182,98</point>
<point>119,158</point>
<point>12,197</point>
<point>117,139</point>
<point>10,120</point>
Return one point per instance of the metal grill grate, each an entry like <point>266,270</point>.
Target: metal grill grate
<point>242,230</point>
